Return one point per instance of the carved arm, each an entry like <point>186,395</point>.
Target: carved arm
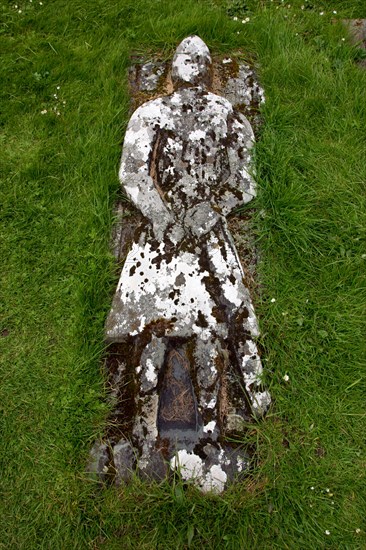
<point>134,173</point>
<point>240,186</point>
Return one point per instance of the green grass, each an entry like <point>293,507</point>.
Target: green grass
<point>59,183</point>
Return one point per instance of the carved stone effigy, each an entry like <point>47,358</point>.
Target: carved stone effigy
<point>181,314</point>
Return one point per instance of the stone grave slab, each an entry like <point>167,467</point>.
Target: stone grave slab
<point>183,362</point>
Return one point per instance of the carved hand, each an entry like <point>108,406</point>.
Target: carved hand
<point>200,219</point>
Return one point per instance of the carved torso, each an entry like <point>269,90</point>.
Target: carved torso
<point>200,149</point>
<point>190,161</point>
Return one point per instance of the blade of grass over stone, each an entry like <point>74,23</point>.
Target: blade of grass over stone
<point>59,183</point>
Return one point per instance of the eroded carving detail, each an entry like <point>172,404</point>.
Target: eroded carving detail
<point>181,312</point>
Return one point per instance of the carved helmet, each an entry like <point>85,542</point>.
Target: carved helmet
<point>191,63</point>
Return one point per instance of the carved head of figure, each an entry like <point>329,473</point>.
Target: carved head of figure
<point>191,63</point>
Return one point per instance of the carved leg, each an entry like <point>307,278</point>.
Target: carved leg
<point>248,360</point>
<point>209,359</point>
<point>210,464</point>
<point>145,430</point>
<point>241,319</point>
<point>251,367</point>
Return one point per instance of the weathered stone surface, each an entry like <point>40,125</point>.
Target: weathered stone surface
<point>123,459</point>
<point>181,305</point>
<point>99,460</point>
<point>357,30</point>
<point>212,468</point>
<point>357,27</point>
<point>191,63</point>
<point>243,89</point>
<point>150,75</point>
<point>232,78</point>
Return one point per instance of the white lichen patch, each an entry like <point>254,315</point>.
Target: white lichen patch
<point>147,291</point>
<point>132,192</point>
<point>224,267</point>
<point>241,464</point>
<point>209,427</point>
<point>191,468</point>
<point>189,465</point>
<point>151,374</point>
<point>244,89</point>
<point>212,403</point>
<point>252,370</point>
<point>260,402</point>
<point>197,135</point>
<point>215,480</point>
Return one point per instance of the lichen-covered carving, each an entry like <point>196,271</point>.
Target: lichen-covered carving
<point>181,303</point>
<point>243,89</point>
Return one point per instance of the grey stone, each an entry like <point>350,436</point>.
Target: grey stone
<point>152,360</point>
<point>212,468</point>
<point>98,460</point>
<point>150,75</point>
<point>234,422</point>
<point>181,297</point>
<point>155,468</point>
<point>244,89</point>
<point>191,63</point>
<point>357,28</point>
<point>124,458</point>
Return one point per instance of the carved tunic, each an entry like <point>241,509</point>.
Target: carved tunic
<point>184,165</point>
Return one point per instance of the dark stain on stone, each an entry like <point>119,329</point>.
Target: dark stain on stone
<point>177,402</point>
<point>201,322</point>
<point>121,380</point>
